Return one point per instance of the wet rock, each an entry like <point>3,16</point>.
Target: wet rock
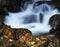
<point>55,24</point>
<point>24,38</point>
<point>15,36</point>
<point>11,33</point>
<point>12,5</point>
<point>54,21</point>
<point>56,33</point>
<point>21,31</point>
<point>41,17</point>
<point>53,42</point>
<point>1,32</point>
<point>3,13</point>
<point>46,41</point>
<point>14,9</point>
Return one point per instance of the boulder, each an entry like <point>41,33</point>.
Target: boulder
<point>54,21</point>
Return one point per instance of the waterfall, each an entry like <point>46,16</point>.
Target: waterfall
<point>35,18</point>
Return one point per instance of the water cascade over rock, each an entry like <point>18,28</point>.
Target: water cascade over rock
<point>33,17</point>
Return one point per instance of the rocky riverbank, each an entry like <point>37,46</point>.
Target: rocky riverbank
<point>10,37</point>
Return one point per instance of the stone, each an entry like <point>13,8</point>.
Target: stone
<point>54,21</point>
<point>41,17</point>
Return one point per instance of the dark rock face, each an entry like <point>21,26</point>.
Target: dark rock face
<point>55,24</point>
<point>52,31</point>
<point>3,12</point>
<point>12,5</point>
<point>41,17</point>
<point>55,21</point>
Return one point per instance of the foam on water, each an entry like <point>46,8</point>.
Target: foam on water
<point>31,18</point>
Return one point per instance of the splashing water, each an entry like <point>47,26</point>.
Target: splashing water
<point>30,18</point>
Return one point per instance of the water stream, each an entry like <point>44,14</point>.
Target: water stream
<point>33,17</point>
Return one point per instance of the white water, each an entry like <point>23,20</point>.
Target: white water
<point>29,18</point>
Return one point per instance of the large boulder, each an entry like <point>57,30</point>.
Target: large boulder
<point>55,24</point>
<point>3,13</point>
<point>54,21</point>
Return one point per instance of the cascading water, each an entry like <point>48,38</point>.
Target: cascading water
<point>35,18</point>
